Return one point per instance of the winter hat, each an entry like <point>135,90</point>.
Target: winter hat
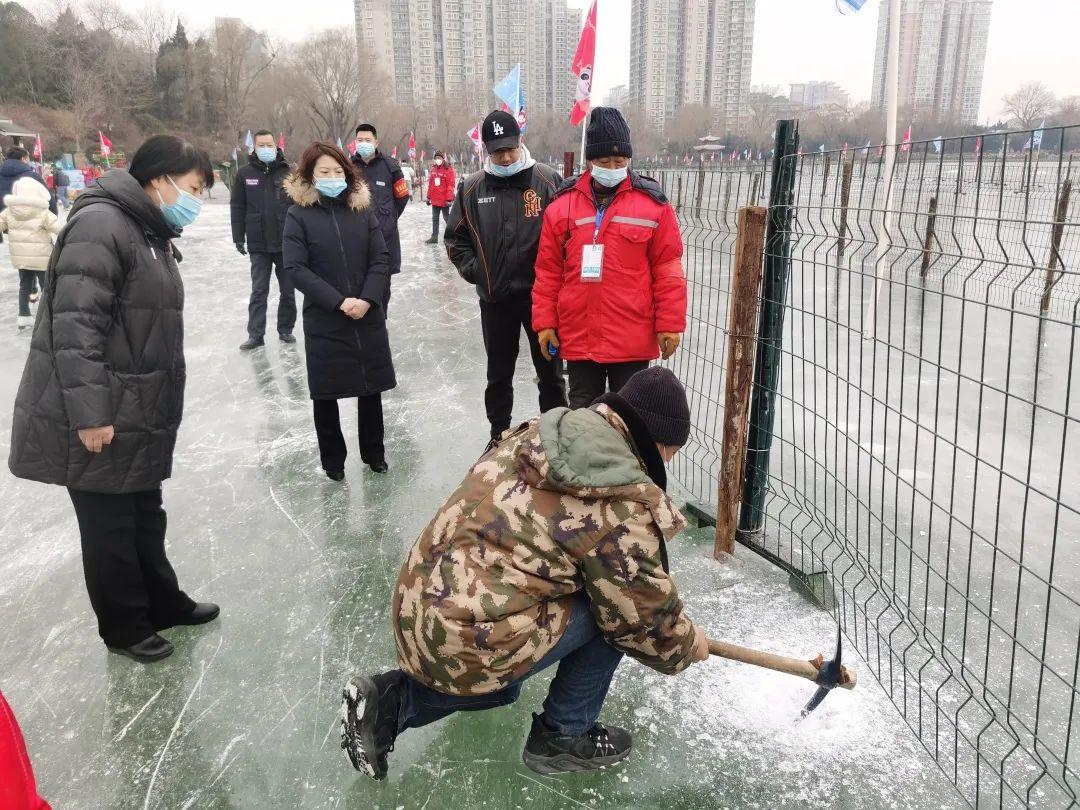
<point>657,396</point>
<point>607,134</point>
<point>500,130</point>
<point>438,153</point>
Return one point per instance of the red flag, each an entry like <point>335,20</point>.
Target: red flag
<point>281,142</point>
<point>582,67</point>
<point>38,150</point>
<point>905,144</point>
<point>350,147</point>
<point>412,147</point>
<point>106,144</point>
<point>978,146</point>
<point>477,142</point>
<point>423,154</point>
<point>881,149</point>
<point>393,153</point>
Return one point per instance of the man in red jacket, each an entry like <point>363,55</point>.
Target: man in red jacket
<point>610,293</point>
<point>440,193</point>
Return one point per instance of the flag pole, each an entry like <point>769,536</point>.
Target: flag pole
<point>892,82</point>
<point>584,123</point>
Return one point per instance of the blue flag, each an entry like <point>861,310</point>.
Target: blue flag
<point>249,142</point>
<point>1035,141</point>
<point>340,145</point>
<point>849,6</point>
<point>509,90</point>
<point>234,154</point>
<point>937,144</point>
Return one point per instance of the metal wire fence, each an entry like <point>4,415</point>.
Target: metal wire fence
<point>924,474</point>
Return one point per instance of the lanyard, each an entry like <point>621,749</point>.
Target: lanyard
<point>599,221</point>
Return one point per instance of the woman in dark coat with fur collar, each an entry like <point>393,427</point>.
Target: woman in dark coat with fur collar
<point>335,253</point>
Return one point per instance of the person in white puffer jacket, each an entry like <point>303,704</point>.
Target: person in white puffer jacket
<point>30,227</point>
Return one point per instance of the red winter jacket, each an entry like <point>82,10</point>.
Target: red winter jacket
<point>642,289</point>
<point>442,193</point>
<point>18,790</point>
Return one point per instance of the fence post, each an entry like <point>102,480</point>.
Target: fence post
<point>568,164</point>
<point>700,188</point>
<point>743,310</point>
<point>845,198</point>
<point>770,329</point>
<point>678,194</point>
<point>1061,210</point>
<point>928,240</point>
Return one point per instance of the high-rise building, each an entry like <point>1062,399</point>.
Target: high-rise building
<point>810,95</point>
<point>942,55</point>
<point>617,96</point>
<point>684,52</point>
<point>458,49</point>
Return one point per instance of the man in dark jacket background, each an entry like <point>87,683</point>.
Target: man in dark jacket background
<point>389,192</point>
<point>492,237</point>
<point>259,206</point>
<point>16,165</point>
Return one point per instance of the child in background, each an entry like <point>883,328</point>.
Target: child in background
<point>30,226</point>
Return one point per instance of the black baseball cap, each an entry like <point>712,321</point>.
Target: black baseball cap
<point>500,130</point>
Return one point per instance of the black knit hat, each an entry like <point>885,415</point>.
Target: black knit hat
<point>607,134</point>
<point>657,396</point>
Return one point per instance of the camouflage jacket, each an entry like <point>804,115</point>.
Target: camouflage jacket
<point>563,503</point>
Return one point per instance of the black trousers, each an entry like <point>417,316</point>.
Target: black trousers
<point>264,265</point>
<point>131,584</point>
<point>29,282</point>
<point>502,322</point>
<point>436,211</point>
<point>332,448</point>
<point>589,380</point>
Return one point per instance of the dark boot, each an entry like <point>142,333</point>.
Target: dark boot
<point>369,718</point>
<point>150,649</point>
<point>547,751</point>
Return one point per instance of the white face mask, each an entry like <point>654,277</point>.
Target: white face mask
<point>438,161</point>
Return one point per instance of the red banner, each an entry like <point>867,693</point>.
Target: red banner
<point>582,67</point>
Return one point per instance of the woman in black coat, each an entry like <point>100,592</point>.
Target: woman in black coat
<point>102,393</point>
<point>336,256</point>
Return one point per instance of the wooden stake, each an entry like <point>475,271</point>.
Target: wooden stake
<point>928,239</point>
<point>1056,231</point>
<point>742,321</point>
<point>845,198</point>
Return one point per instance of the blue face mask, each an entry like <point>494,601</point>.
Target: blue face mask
<point>181,213</point>
<point>266,154</point>
<point>331,186</point>
<point>609,177</point>
<point>507,171</point>
<point>365,149</point>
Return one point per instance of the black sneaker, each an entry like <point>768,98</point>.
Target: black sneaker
<point>287,337</point>
<point>548,751</point>
<point>251,343</point>
<point>369,716</point>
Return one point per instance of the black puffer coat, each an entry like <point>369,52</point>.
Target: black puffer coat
<point>258,204</point>
<point>334,249</point>
<point>389,196</point>
<point>108,348</point>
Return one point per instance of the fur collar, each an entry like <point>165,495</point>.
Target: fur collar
<point>305,195</point>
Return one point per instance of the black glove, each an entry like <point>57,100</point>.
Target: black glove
<point>241,249</point>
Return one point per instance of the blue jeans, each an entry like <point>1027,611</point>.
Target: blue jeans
<point>587,664</point>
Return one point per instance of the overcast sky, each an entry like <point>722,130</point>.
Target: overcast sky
<point>794,40</point>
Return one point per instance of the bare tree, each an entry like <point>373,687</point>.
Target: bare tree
<point>690,122</point>
<point>240,56</point>
<point>334,85</point>
<point>1031,103</point>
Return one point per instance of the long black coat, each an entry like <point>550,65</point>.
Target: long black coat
<point>108,348</point>
<point>333,250</point>
<point>258,204</point>
<point>389,196</point>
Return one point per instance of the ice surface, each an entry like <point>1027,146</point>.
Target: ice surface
<point>245,712</point>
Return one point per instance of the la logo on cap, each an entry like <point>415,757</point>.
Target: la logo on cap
<point>496,128</point>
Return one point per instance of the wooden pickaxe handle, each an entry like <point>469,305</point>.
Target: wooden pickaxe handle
<point>779,663</point>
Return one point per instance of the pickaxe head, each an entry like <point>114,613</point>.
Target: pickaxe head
<point>830,675</point>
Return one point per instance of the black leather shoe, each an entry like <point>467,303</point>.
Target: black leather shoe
<point>335,475</point>
<point>287,337</point>
<point>379,467</point>
<point>204,612</point>
<point>146,651</point>
<point>251,343</point>
<point>432,241</point>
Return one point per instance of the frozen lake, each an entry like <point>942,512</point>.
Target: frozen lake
<point>244,713</point>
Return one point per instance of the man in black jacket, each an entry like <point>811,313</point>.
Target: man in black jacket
<point>259,206</point>
<point>491,237</point>
<point>389,192</point>
<point>15,166</point>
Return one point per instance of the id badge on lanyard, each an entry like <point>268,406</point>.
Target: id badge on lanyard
<point>592,256</point>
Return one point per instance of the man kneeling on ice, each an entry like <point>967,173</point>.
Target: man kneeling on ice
<point>550,551</point>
